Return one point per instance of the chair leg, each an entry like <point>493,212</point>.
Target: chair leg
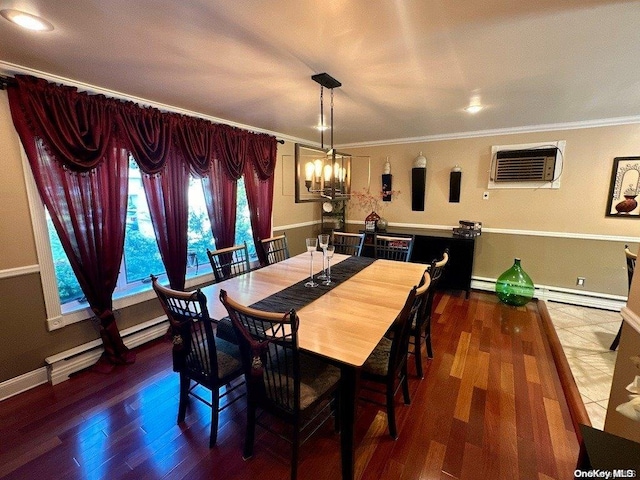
<point>417,352</point>
<point>295,445</point>
<point>185,383</point>
<point>616,340</point>
<point>336,411</point>
<point>215,406</point>
<point>427,338</point>
<point>251,432</point>
<point>405,385</point>
<point>391,412</point>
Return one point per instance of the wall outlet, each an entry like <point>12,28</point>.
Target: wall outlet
<point>485,196</point>
<point>580,281</point>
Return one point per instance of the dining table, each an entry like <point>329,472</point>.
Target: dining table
<point>342,322</point>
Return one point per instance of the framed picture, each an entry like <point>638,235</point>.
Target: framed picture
<point>624,188</point>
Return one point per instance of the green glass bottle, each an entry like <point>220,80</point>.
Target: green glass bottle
<point>514,287</point>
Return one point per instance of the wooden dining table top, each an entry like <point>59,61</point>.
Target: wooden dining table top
<point>346,323</point>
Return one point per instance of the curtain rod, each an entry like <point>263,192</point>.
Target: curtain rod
<point>10,81</point>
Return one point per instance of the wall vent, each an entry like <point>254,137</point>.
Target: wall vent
<point>526,166</point>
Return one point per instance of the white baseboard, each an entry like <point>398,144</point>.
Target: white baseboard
<point>63,364</point>
<point>20,384</point>
<point>562,295</point>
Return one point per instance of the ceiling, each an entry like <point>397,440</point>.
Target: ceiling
<point>408,67</point>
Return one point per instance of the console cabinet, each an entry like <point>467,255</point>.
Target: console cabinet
<point>429,245</point>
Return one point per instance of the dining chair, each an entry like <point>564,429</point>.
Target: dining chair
<point>393,247</point>
<point>275,248</point>
<point>229,262</point>
<point>631,265</point>
<point>198,356</point>
<point>348,243</point>
<point>281,380</point>
<point>387,364</point>
<point>421,325</point>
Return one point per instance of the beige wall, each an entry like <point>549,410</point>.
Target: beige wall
<point>577,208</point>
<point>552,231</point>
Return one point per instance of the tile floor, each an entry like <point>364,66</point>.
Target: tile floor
<point>586,334</point>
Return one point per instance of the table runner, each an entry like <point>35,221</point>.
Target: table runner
<point>297,295</point>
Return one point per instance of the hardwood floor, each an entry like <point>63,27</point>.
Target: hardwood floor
<point>491,406</point>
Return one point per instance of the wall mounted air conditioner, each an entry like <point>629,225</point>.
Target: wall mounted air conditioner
<point>536,165</point>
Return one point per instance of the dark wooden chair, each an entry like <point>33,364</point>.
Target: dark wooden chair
<point>348,243</point>
<point>393,247</point>
<point>198,356</point>
<point>421,326</point>
<point>229,262</point>
<point>275,249</point>
<point>631,265</point>
<point>387,364</point>
<point>282,381</point>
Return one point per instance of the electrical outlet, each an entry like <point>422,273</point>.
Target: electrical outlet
<point>485,196</point>
<point>580,281</point>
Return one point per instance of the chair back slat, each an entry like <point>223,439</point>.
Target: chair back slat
<point>413,309</point>
<point>276,249</point>
<point>631,263</point>
<point>229,262</point>
<point>348,243</point>
<point>270,354</point>
<point>393,247</point>
<point>194,346</point>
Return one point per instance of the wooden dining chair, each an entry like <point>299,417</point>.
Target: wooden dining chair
<point>275,249</point>
<point>421,325</point>
<point>348,243</point>
<point>199,357</point>
<point>387,364</point>
<point>229,262</point>
<point>630,258</point>
<point>282,381</point>
<point>393,247</point>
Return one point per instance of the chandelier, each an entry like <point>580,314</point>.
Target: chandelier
<point>326,172</point>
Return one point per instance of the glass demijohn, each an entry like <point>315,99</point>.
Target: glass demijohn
<point>515,287</point>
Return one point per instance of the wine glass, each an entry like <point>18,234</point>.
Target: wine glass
<point>329,253</point>
<point>312,244</point>
<point>323,242</point>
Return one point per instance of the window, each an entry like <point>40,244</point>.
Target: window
<point>141,254</point>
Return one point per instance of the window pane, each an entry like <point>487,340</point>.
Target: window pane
<point>141,254</point>
<point>199,235</point>
<point>68,286</point>
<point>243,222</point>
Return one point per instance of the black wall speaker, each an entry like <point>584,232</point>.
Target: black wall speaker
<point>455,179</point>
<point>418,180</point>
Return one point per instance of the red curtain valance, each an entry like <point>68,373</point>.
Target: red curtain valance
<point>76,128</point>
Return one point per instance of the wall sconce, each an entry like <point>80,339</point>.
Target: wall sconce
<point>386,181</point>
<point>418,182</point>
<point>455,179</point>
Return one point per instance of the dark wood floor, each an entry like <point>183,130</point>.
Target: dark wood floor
<point>490,407</point>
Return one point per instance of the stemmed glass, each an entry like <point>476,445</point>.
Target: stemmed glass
<point>323,242</point>
<point>312,244</point>
<point>329,253</point>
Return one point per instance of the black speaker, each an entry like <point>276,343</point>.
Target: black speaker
<point>455,178</point>
<point>418,180</point>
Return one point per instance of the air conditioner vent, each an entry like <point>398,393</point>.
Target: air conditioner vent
<point>525,165</point>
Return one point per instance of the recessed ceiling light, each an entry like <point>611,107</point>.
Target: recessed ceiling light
<point>474,105</point>
<point>27,20</point>
<point>473,109</point>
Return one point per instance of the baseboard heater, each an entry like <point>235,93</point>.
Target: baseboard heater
<point>61,365</point>
<point>562,295</point>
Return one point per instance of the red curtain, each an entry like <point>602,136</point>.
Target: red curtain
<point>258,181</point>
<point>78,146</point>
<point>166,184</point>
<point>82,176</point>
